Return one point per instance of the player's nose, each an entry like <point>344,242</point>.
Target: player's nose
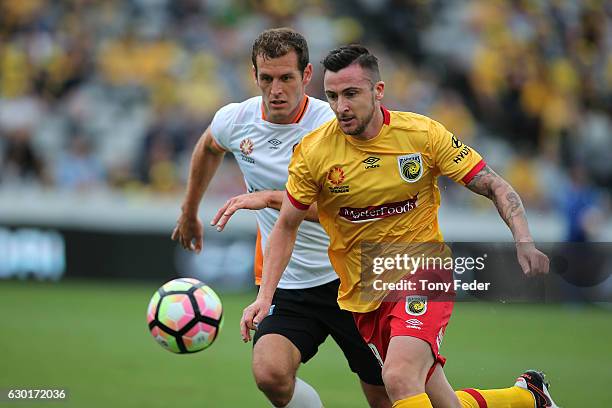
<point>277,87</point>
<point>343,105</point>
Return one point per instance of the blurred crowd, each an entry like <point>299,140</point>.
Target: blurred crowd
<point>113,94</point>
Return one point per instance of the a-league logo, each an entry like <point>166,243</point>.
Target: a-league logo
<point>416,305</point>
<point>410,167</point>
<point>246,146</point>
<point>336,176</point>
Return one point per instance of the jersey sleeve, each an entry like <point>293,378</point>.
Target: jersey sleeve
<point>222,125</point>
<point>302,188</point>
<point>452,157</point>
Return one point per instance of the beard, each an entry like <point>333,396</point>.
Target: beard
<point>363,124</point>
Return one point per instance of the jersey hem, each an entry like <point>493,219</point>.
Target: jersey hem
<point>216,145</point>
<point>364,309</point>
<point>309,284</point>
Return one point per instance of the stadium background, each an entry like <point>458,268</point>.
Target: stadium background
<point>101,103</point>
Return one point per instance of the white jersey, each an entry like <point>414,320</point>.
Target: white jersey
<point>263,151</point>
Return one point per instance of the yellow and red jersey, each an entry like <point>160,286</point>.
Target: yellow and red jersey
<point>380,190</point>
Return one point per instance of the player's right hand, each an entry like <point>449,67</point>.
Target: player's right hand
<point>533,261</point>
<point>189,232</point>
<point>252,315</point>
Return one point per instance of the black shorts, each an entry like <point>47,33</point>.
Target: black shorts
<point>307,316</point>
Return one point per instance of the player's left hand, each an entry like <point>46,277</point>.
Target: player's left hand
<point>250,201</point>
<point>532,261</point>
<point>252,315</point>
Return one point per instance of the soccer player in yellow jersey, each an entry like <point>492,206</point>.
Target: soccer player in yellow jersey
<point>305,311</point>
<point>373,174</point>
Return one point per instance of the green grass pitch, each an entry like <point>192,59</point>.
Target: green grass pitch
<point>91,339</point>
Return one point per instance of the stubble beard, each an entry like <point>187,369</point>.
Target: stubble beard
<point>363,124</point>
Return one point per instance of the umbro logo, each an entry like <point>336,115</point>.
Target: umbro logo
<point>371,162</point>
<point>275,143</point>
<point>414,324</point>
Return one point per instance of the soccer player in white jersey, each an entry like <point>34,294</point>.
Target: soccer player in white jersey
<point>261,133</point>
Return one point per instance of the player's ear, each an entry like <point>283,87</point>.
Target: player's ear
<point>254,70</point>
<point>379,90</point>
<point>307,76</point>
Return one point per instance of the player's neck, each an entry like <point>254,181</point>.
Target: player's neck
<point>293,117</point>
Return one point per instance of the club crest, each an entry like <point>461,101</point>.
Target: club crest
<point>416,305</point>
<point>410,167</point>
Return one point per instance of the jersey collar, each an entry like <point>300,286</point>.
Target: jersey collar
<point>386,115</point>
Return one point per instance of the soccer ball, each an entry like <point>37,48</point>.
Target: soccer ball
<point>185,316</point>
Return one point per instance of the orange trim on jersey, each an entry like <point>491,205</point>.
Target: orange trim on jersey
<point>479,166</point>
<point>298,116</point>
<point>386,115</point>
<point>258,266</point>
<point>482,403</point>
<point>296,203</point>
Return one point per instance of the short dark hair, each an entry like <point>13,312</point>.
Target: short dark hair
<point>277,42</point>
<point>346,55</point>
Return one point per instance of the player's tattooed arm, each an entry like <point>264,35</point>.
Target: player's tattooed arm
<point>508,203</point>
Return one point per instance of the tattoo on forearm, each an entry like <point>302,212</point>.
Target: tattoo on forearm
<point>482,182</point>
<point>514,204</point>
<point>506,200</point>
